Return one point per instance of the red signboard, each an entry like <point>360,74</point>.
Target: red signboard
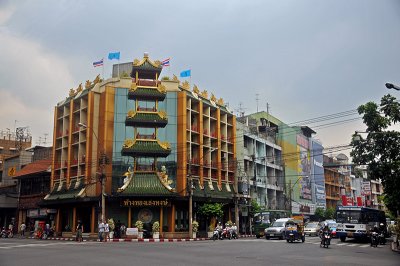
<point>359,201</point>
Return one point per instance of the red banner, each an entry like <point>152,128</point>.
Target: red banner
<point>359,201</point>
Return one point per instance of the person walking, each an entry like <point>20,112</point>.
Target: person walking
<point>79,231</point>
<point>23,228</point>
<point>106,231</point>
<point>101,230</point>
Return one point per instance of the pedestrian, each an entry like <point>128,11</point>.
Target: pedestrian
<point>79,231</point>
<point>101,230</point>
<point>123,229</point>
<point>106,231</point>
<point>23,228</point>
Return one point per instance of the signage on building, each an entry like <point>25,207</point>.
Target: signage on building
<point>51,211</point>
<point>244,211</point>
<point>33,213</point>
<point>366,188</point>
<point>11,171</point>
<point>145,203</point>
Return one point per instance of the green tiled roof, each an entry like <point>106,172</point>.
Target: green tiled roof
<point>146,93</point>
<point>64,193</point>
<point>146,119</point>
<point>146,148</point>
<point>143,184</point>
<point>208,193</point>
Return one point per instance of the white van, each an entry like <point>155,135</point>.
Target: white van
<point>277,229</point>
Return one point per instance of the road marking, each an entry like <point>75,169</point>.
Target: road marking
<point>341,244</point>
<point>352,245</point>
<point>364,246</point>
<point>41,245</point>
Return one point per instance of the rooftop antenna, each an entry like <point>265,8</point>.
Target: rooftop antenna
<point>268,124</point>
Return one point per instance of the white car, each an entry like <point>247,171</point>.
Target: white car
<point>277,229</point>
<point>312,229</point>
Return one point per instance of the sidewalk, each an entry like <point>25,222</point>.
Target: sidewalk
<point>135,240</point>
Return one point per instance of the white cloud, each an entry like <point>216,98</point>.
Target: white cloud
<point>32,82</point>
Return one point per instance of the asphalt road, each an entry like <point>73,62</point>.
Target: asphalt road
<point>245,251</point>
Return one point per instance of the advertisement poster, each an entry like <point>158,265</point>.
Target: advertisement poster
<point>318,177</point>
<point>304,168</point>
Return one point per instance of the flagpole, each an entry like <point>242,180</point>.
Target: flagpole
<point>118,67</point>
<point>102,69</point>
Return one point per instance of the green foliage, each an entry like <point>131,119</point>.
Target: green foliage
<point>210,228</point>
<point>195,226</point>
<point>329,213</point>
<point>254,207</point>
<point>211,210</point>
<point>111,224</point>
<point>379,149</point>
<point>156,226</point>
<point>229,223</point>
<point>320,213</point>
<point>139,225</point>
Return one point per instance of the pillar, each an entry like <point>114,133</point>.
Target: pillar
<point>129,217</point>
<point>161,219</point>
<point>73,219</point>
<point>92,220</point>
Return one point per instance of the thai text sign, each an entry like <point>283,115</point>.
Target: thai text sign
<point>365,188</point>
<point>145,203</point>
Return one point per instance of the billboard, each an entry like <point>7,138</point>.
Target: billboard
<point>318,177</point>
<point>304,168</point>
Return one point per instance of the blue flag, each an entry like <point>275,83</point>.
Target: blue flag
<point>115,55</point>
<point>185,73</point>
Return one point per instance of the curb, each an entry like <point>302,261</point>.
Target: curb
<point>136,239</point>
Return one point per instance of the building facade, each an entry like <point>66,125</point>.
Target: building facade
<point>153,142</point>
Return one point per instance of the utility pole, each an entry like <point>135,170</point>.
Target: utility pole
<point>190,198</point>
<point>102,164</point>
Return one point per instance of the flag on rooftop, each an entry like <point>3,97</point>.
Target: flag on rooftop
<point>186,73</point>
<point>98,63</point>
<point>114,55</point>
<point>165,62</point>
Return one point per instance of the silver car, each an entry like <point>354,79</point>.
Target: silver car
<point>311,229</point>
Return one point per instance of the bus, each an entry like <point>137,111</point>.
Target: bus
<point>264,219</point>
<point>356,222</point>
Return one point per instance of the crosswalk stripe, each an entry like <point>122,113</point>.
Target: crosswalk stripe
<point>341,244</point>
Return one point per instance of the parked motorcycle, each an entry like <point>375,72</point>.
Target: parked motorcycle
<point>216,234</point>
<point>5,233</point>
<point>233,234</point>
<point>226,234</point>
<point>374,239</point>
<point>325,240</point>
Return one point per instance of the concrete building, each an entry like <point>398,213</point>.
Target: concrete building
<point>156,145</point>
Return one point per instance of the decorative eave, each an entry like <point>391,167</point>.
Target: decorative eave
<point>145,148</point>
<point>146,184</point>
<point>146,119</point>
<point>60,191</point>
<point>158,92</point>
<point>146,68</point>
<point>212,190</point>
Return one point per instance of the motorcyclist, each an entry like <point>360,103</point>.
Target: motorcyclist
<point>375,229</point>
<point>234,230</point>
<point>219,228</point>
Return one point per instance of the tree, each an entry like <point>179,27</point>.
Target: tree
<point>211,210</point>
<point>255,207</point>
<point>380,149</point>
<point>320,213</point>
<point>329,213</point>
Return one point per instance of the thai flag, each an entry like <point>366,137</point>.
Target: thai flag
<point>98,63</point>
<point>165,62</point>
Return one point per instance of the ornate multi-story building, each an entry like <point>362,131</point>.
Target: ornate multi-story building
<point>146,139</point>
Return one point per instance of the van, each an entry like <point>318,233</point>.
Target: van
<point>277,229</point>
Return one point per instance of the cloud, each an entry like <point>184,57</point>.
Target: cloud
<point>33,80</point>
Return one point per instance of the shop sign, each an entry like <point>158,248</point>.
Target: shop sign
<point>33,213</point>
<point>132,231</point>
<point>43,212</point>
<point>244,211</point>
<point>145,203</point>
<point>51,211</point>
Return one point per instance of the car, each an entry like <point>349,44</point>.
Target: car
<point>311,229</point>
<point>277,229</point>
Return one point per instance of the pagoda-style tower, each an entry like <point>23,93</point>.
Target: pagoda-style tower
<point>146,177</point>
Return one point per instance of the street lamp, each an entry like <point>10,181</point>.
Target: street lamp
<point>392,86</point>
<point>103,160</point>
<point>190,191</point>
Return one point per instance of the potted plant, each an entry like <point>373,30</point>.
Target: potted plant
<point>195,228</point>
<point>139,226</point>
<point>111,225</point>
<point>156,230</point>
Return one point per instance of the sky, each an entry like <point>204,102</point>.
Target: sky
<point>306,59</point>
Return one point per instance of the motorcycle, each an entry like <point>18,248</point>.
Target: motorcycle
<point>226,234</point>
<point>374,239</point>
<point>233,234</point>
<point>5,233</point>
<point>325,240</point>
<point>216,234</point>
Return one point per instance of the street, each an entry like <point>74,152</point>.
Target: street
<point>244,251</point>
